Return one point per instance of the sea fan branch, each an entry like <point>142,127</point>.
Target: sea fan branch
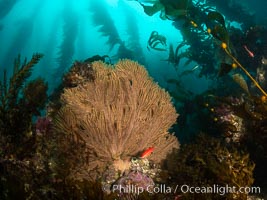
<point>119,114</point>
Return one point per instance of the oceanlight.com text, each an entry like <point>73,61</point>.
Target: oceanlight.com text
<point>217,189</point>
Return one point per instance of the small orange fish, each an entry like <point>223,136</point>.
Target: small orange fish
<point>147,152</point>
<point>250,53</point>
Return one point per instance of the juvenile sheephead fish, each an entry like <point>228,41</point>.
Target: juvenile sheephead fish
<point>147,152</point>
<point>250,53</point>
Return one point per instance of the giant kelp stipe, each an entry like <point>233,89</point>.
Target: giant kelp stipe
<point>133,99</point>
<point>67,47</point>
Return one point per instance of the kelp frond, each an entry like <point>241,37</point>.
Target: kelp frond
<point>102,18</point>
<point>15,110</point>
<point>9,92</point>
<point>227,51</point>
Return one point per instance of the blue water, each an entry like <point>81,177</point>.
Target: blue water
<point>67,30</point>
